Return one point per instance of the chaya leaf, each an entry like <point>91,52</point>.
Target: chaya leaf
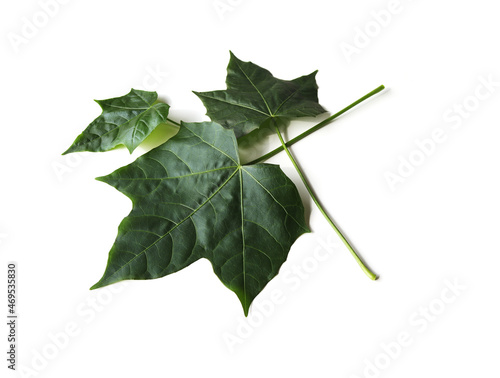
<point>254,96</point>
<point>125,120</point>
<point>191,199</point>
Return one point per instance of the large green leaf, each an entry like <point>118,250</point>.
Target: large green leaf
<point>254,96</point>
<point>191,199</point>
<point>125,120</point>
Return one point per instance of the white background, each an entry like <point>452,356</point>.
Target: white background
<point>438,226</point>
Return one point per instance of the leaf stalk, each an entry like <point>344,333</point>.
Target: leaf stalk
<point>365,269</point>
<point>318,126</point>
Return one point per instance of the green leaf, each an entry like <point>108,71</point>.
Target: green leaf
<point>193,199</point>
<point>125,120</point>
<point>254,96</point>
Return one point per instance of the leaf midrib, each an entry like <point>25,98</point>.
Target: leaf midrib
<point>234,103</point>
<point>177,225</point>
<point>138,116</point>
<point>243,240</point>
<point>177,177</point>
<point>257,89</point>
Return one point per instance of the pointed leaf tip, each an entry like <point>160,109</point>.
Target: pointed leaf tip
<point>254,95</point>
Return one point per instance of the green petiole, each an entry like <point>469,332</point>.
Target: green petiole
<point>365,269</point>
<point>317,127</point>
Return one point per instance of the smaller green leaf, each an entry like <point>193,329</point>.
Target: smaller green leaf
<point>254,96</point>
<point>126,120</point>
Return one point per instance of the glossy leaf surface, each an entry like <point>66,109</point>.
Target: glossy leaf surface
<point>254,96</point>
<point>193,199</point>
<point>125,120</point>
